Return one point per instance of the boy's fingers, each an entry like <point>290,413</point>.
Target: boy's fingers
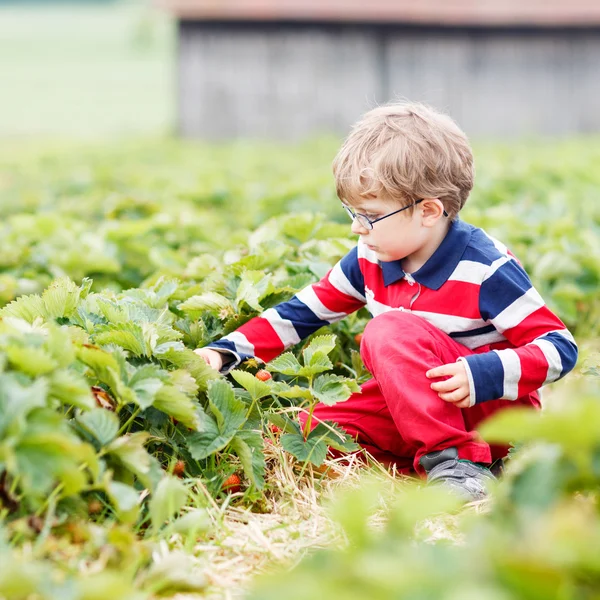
<point>443,370</point>
<point>457,396</point>
<point>448,385</point>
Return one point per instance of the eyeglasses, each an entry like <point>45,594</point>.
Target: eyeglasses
<point>365,222</point>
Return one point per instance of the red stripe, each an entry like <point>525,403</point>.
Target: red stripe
<point>455,298</point>
<point>333,299</point>
<point>534,369</point>
<point>260,333</point>
<point>538,323</point>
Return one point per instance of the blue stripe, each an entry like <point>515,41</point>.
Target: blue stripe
<point>351,269</point>
<point>224,344</point>
<point>488,376</point>
<point>506,285</point>
<point>303,319</point>
<point>567,350</point>
<point>478,331</point>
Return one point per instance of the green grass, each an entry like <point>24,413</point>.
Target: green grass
<point>73,71</point>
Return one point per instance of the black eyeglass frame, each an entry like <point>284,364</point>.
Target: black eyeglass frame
<point>364,219</point>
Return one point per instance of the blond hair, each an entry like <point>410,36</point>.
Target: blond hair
<point>405,151</point>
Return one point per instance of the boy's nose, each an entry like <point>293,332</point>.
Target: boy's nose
<point>357,228</point>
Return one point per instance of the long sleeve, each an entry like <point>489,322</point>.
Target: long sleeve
<point>544,350</point>
<point>339,293</point>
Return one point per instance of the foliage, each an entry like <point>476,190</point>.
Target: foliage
<point>115,435</point>
<point>540,538</point>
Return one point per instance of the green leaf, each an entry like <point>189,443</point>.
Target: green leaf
<point>107,369</point>
<point>61,298</point>
<point>129,450</point>
<point>129,336</point>
<point>286,391</point>
<point>312,450</point>
<point>101,423</point>
<point>322,344</point>
<point>192,523</point>
<point>216,431</point>
<point>253,286</point>
<point>334,436</point>
<point>211,301</point>
<point>319,364</point>
<point>70,388</point>
<point>168,499</point>
<point>248,445</point>
<point>30,360</point>
<point>60,346</point>
<point>145,391</point>
<point>196,365</point>
<point>284,423</point>
<point>287,364</point>
<point>330,389</point>
<point>124,497</point>
<point>178,405</point>
<point>28,308</point>
<point>17,399</point>
<point>45,457</point>
<point>184,382</point>
<point>256,388</point>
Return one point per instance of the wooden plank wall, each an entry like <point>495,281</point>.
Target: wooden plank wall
<point>287,81</point>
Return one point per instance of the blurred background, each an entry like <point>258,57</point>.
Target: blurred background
<point>85,69</point>
<point>286,69</point>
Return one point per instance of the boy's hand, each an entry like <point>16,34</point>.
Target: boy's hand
<point>212,357</point>
<point>456,388</point>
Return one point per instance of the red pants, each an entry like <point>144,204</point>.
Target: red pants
<point>398,418</point>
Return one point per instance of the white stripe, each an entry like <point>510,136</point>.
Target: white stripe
<point>341,283</point>
<point>469,271</point>
<point>284,328</point>
<point>242,345</point>
<point>552,356</point>
<point>474,341</point>
<point>450,323</point>
<point>374,306</point>
<point>366,253</point>
<point>308,297</point>
<point>495,266</point>
<point>472,391</point>
<point>512,373</point>
<point>519,310</point>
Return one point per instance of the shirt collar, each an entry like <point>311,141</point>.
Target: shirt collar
<point>435,272</point>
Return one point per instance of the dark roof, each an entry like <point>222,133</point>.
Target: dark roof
<point>427,12</point>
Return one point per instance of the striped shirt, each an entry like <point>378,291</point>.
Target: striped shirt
<point>472,288</point>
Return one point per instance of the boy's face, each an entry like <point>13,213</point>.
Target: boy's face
<point>395,238</point>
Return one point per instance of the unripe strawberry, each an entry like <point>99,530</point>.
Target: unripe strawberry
<point>358,338</point>
<point>232,485</point>
<point>179,468</point>
<point>263,375</point>
<point>95,506</point>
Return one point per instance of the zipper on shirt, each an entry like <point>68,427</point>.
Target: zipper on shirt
<point>411,281</point>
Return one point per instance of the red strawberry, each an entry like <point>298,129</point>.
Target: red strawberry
<point>263,375</point>
<point>179,468</point>
<point>232,485</point>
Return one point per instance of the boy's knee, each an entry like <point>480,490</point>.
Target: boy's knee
<point>382,329</point>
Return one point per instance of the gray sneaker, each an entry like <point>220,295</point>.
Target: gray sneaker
<point>467,479</point>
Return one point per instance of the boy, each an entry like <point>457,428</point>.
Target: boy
<point>458,331</point>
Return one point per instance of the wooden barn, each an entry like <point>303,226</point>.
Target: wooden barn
<point>286,69</point>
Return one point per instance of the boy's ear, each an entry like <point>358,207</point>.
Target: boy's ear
<point>432,209</point>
